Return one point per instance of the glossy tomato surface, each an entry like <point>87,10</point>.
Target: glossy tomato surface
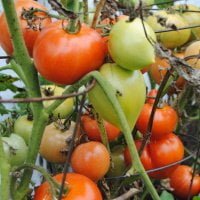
<point>92,130</point>
<point>29,29</point>
<point>91,159</point>
<point>164,122</point>
<point>159,153</point>
<point>80,188</point>
<point>63,57</point>
<point>180,181</point>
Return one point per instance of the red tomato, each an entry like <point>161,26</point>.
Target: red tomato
<point>80,187</point>
<point>64,58</point>
<point>180,181</point>
<point>151,96</point>
<point>30,33</point>
<point>159,153</point>
<point>91,159</point>
<point>91,128</point>
<point>165,120</point>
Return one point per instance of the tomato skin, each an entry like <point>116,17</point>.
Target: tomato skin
<point>67,57</point>
<point>91,159</point>
<point>54,145</point>
<point>128,45</point>
<point>180,181</point>
<point>159,153</point>
<point>15,149</point>
<point>91,128</point>
<point>64,109</point>
<point>165,120</point>
<point>151,96</point>
<point>130,94</point>
<point>29,34</point>
<point>80,187</point>
<point>23,127</point>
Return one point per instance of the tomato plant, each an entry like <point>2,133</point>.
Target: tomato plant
<point>91,159</point>
<point>30,25</point>
<point>57,138</point>
<point>180,181</point>
<point>78,187</point>
<point>64,109</point>
<point>159,153</point>
<point>15,149</point>
<point>151,96</point>
<point>164,122</point>
<point>69,61</point>
<point>91,128</point>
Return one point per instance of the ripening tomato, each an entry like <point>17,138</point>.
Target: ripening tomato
<point>64,57</point>
<point>180,181</point>
<point>91,128</point>
<point>79,187</point>
<point>55,142</point>
<point>129,88</point>
<point>151,96</point>
<point>129,46</point>
<point>165,120</point>
<point>30,28</point>
<point>64,109</point>
<point>193,50</point>
<point>159,153</point>
<point>91,159</point>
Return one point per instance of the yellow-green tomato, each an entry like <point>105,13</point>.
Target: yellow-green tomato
<point>23,127</point>
<point>130,90</point>
<point>129,46</point>
<point>162,21</point>
<point>15,149</point>
<point>64,109</point>
<point>192,18</point>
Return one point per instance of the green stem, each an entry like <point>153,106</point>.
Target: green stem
<point>4,174</point>
<point>6,67</point>
<point>136,163</point>
<point>85,11</point>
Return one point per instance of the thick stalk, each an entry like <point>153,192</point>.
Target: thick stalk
<point>4,174</point>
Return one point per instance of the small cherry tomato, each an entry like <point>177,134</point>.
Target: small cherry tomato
<point>79,187</point>
<point>180,181</point>
<point>91,159</point>
<point>164,122</point>
<point>92,130</point>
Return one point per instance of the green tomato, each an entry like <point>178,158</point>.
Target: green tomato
<point>23,127</point>
<point>130,90</point>
<point>64,109</point>
<point>118,166</point>
<point>162,21</point>
<point>15,149</point>
<point>129,46</point>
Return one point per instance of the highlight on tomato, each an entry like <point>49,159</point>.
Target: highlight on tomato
<point>91,159</point>
<point>91,128</point>
<point>77,185</point>
<point>159,153</point>
<point>164,122</point>
<point>31,26</point>
<point>63,57</point>
<point>180,181</point>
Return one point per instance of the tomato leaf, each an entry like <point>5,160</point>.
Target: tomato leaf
<point>166,196</point>
<point>3,109</point>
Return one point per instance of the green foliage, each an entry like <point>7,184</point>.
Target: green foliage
<point>196,198</point>
<point>166,196</point>
<point>164,3</point>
